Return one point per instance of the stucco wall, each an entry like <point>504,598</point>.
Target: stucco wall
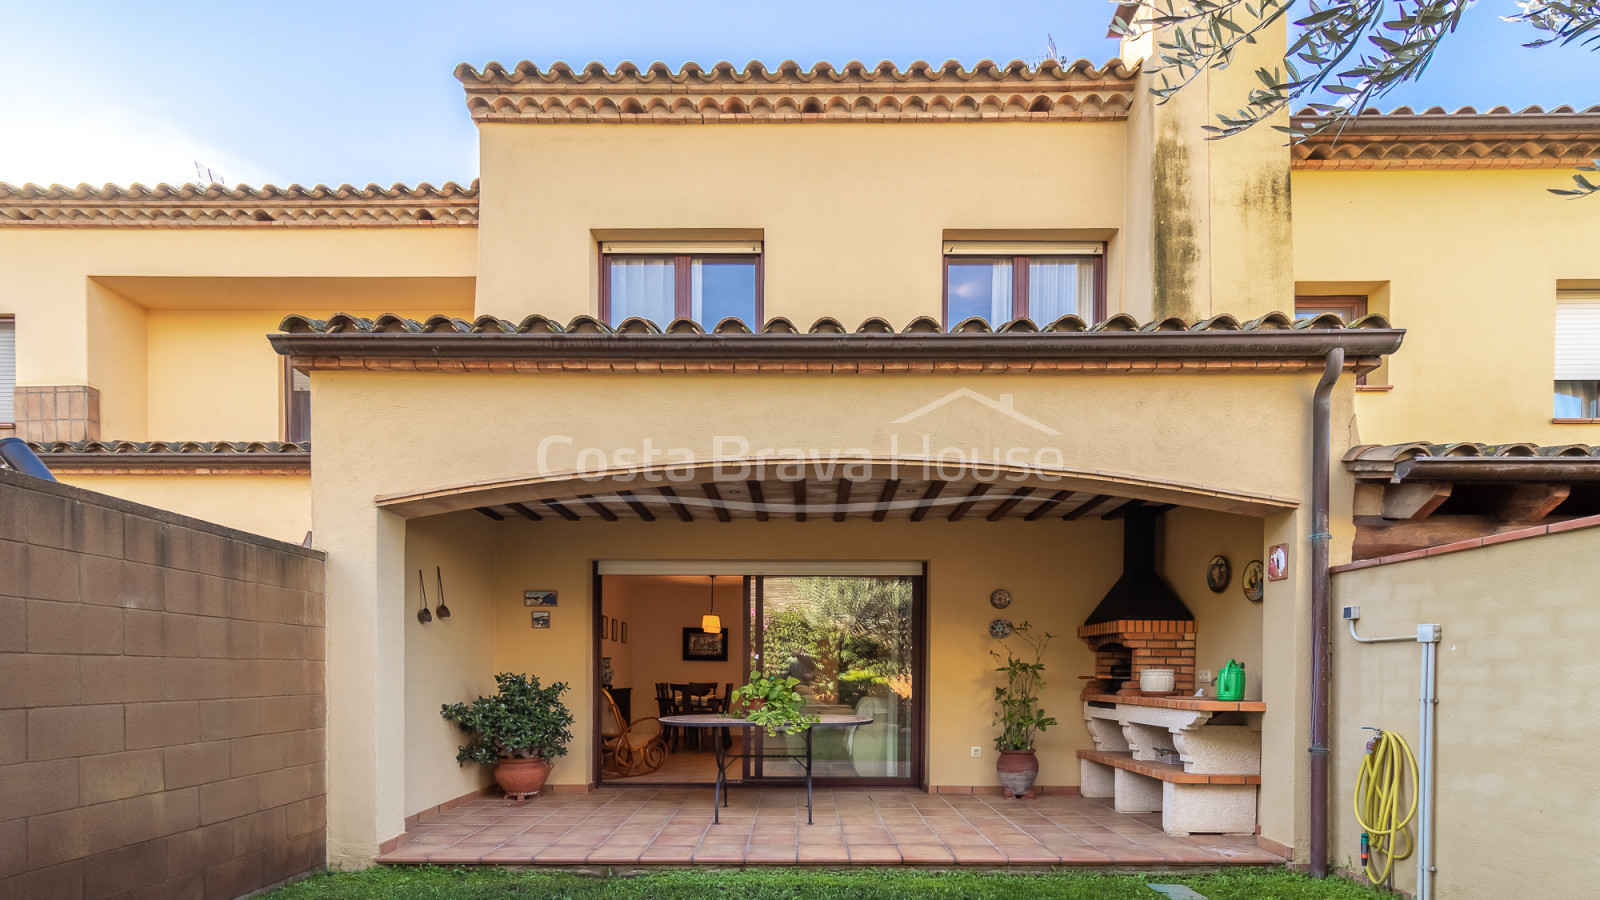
<point>1478,302</point>
<point>1518,684</point>
<point>161,701</point>
<point>277,506</point>
<point>657,609</point>
<point>852,215</point>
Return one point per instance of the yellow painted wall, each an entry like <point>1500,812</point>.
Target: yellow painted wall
<point>657,609</point>
<point>277,506</point>
<point>1471,261</point>
<point>119,361</point>
<point>1201,429</point>
<point>1517,686</point>
<point>448,660</point>
<point>852,215</point>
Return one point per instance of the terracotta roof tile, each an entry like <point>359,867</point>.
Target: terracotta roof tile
<point>1465,139</point>
<point>824,93</point>
<point>1527,461</point>
<point>205,206</point>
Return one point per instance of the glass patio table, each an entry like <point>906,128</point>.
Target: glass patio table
<point>717,723</point>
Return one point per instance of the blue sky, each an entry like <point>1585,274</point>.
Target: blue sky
<point>357,91</point>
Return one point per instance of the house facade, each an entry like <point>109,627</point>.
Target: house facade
<point>961,327</point>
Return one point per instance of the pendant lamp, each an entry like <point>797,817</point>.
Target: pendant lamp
<point>709,623</point>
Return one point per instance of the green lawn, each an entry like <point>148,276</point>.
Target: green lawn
<point>477,883</point>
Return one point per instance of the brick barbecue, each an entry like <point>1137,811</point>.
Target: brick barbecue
<point>1141,624</point>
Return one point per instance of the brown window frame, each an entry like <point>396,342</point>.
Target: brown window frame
<point>1356,304</point>
<point>296,415</point>
<point>1019,283</point>
<point>682,293</point>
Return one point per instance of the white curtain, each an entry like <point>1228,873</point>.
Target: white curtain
<point>1057,287</point>
<point>643,288</point>
<point>1000,293</point>
<point>697,289</point>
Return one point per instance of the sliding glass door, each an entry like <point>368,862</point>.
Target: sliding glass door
<point>856,645</point>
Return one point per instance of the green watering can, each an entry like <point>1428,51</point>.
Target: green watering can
<point>1230,681</point>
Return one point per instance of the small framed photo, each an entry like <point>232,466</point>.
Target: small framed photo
<point>615,629</point>
<point>539,598</point>
<point>540,619</point>
<point>605,625</point>
<point>624,632</point>
<point>702,647</point>
<point>1278,562</point>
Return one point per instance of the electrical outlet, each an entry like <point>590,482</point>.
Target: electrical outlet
<point>977,752</point>
<point>1352,613</point>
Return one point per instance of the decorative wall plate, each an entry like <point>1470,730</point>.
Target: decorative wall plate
<point>1218,574</point>
<point>1000,599</point>
<point>1253,582</point>
<point>1000,629</point>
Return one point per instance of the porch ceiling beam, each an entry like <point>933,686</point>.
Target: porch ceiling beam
<point>1078,511</point>
<point>841,499</point>
<point>973,496</point>
<point>677,504</point>
<point>639,509</point>
<point>522,510</point>
<point>1043,509</point>
<point>800,500</point>
<point>1123,509</point>
<point>560,510</point>
<point>1159,508</point>
<point>1414,502</point>
<point>598,507</point>
<point>491,513</point>
<point>935,488</point>
<point>1525,504</point>
<point>717,505</point>
<point>890,487</point>
<point>1009,504</point>
<point>757,499</point>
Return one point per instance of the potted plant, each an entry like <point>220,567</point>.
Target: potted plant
<point>1019,716</point>
<point>771,701</point>
<point>519,731</point>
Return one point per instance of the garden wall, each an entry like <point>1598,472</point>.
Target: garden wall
<point>161,701</point>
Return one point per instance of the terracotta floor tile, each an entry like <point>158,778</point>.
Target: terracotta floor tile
<point>719,855</point>
<point>981,854</point>
<point>823,853</point>
<point>925,854</point>
<point>874,853</point>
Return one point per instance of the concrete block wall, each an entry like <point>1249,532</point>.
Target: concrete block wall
<point>161,701</point>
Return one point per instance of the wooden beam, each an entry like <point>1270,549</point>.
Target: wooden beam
<point>525,512</point>
<point>800,500</point>
<point>1413,502</point>
<point>677,505</point>
<point>1009,504</point>
<point>934,489</point>
<point>973,496</point>
<point>639,509</point>
<point>1078,511</point>
<point>598,507</point>
<point>757,499</point>
<point>1123,509</point>
<point>490,513</point>
<point>715,496</point>
<point>1043,509</point>
<point>841,499</point>
<point>562,511</point>
<point>1525,504</point>
<point>885,498</point>
<point>1159,508</point>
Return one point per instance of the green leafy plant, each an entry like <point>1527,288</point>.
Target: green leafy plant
<point>772,702</point>
<point>525,720</point>
<point>1019,716</point>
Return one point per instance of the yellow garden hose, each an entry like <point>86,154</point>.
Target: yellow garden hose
<point>1377,803</point>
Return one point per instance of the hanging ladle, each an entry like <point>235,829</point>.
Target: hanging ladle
<point>423,615</point>
<point>442,610</point>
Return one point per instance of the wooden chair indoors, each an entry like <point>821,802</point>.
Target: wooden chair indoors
<point>634,748</point>
<point>665,706</point>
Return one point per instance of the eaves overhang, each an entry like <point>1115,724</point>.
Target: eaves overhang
<point>175,457</point>
<point>1421,461</point>
<point>1435,139</point>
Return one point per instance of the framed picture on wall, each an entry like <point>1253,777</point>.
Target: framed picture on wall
<point>624,632</point>
<point>539,598</point>
<point>615,628</point>
<point>702,647</point>
<point>605,624</point>
<point>540,619</point>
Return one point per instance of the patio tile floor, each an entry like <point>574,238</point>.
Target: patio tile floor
<point>766,826</point>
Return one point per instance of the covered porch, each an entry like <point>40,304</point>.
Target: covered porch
<point>651,826</point>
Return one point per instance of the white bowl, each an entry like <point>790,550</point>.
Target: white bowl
<point>1157,681</point>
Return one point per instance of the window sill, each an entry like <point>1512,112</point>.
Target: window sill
<point>1375,388</point>
<point>1576,421</point>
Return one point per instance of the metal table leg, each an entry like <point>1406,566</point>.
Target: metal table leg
<point>808,776</point>
<point>720,797</point>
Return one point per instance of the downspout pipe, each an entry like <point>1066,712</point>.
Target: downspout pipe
<point>1321,628</point>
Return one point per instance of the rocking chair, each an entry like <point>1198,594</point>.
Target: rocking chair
<point>635,748</point>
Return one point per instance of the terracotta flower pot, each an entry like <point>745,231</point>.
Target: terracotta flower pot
<point>1018,769</point>
<point>521,778</point>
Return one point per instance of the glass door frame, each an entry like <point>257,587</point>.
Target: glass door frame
<point>917,775</point>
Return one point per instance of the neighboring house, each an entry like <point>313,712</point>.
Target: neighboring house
<point>711,322</point>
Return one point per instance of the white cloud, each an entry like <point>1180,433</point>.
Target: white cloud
<point>71,144</point>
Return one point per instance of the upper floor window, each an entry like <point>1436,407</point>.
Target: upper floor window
<point>1001,281</point>
<point>705,282</point>
<point>1577,393</point>
<point>8,370</point>
<point>1348,307</point>
<point>296,404</point>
